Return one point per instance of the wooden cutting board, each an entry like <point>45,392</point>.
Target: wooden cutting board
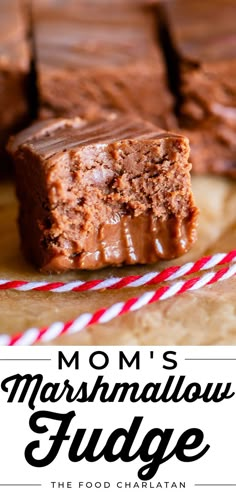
<point>207,316</point>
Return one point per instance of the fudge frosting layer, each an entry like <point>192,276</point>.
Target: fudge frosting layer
<point>64,43</point>
<point>103,193</point>
<point>62,134</point>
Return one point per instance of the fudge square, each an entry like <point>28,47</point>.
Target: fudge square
<point>14,69</point>
<point>99,58</point>
<point>204,36</point>
<point>109,192</point>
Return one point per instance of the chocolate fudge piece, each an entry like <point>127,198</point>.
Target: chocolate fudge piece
<point>14,70</point>
<point>100,59</point>
<point>102,193</point>
<point>204,36</point>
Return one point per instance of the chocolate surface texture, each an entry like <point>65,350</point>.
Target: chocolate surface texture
<point>103,193</point>
<point>204,36</point>
<point>100,58</point>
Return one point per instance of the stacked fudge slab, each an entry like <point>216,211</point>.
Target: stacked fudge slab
<point>204,37</point>
<point>14,70</point>
<point>110,192</point>
<point>97,58</point>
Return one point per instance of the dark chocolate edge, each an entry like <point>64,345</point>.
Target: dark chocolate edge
<point>33,97</point>
<point>171,56</point>
<point>173,59</point>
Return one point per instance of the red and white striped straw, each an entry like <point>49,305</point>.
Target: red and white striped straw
<point>169,274</point>
<point>49,333</point>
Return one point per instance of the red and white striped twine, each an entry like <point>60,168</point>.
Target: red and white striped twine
<point>131,281</point>
<point>49,333</point>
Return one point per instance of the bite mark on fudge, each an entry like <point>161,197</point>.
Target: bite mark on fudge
<point>90,191</point>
